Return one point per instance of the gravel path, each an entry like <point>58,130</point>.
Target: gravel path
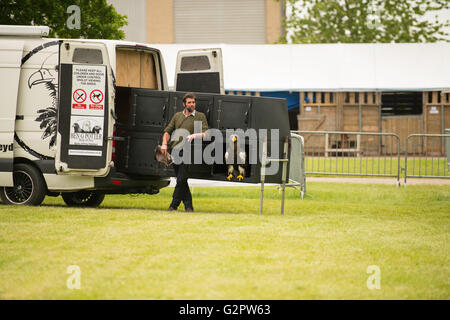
<point>409,181</point>
<point>392,181</point>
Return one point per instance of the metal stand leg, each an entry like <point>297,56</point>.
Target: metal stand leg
<point>263,174</point>
<point>265,161</point>
<point>284,173</point>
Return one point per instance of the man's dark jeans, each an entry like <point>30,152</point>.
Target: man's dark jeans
<point>181,192</point>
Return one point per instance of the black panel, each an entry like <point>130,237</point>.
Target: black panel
<point>204,104</point>
<point>64,114</point>
<point>148,115</point>
<point>232,112</point>
<point>149,110</point>
<point>270,113</point>
<point>136,155</point>
<point>199,82</point>
<point>275,178</point>
<point>293,118</point>
<point>122,105</point>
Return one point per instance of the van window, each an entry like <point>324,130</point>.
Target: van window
<point>195,63</point>
<point>83,55</point>
<point>136,69</point>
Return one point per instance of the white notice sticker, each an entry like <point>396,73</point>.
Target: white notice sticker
<point>434,110</point>
<point>92,153</point>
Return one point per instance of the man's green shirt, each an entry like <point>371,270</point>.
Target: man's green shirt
<point>180,121</point>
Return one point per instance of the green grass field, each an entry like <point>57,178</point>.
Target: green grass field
<point>378,166</point>
<point>130,248</point>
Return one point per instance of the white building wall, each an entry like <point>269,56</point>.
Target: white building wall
<point>135,10</point>
<point>220,21</point>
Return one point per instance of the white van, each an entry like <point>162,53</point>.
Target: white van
<point>63,101</point>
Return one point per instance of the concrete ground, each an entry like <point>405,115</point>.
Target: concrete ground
<point>214,183</point>
<point>410,181</point>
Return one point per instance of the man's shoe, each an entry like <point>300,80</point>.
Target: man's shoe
<point>171,209</point>
<point>189,210</point>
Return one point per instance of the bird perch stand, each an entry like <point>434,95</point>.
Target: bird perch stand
<point>264,162</point>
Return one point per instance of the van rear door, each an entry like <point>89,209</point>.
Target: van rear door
<point>199,70</point>
<point>85,101</point>
<point>10,60</point>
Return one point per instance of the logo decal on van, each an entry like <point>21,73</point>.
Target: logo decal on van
<point>86,131</point>
<point>47,116</point>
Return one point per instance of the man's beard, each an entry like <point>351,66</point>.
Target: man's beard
<point>189,109</point>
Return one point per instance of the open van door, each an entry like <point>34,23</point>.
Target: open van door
<point>10,64</point>
<point>199,70</point>
<point>85,84</point>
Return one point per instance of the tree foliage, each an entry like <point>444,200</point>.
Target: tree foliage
<point>364,21</point>
<point>99,20</point>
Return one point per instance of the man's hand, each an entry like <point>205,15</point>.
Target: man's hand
<point>194,136</point>
<point>166,137</point>
<point>164,149</point>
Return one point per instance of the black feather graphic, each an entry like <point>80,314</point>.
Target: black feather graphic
<point>52,140</point>
<point>47,119</point>
<point>52,88</point>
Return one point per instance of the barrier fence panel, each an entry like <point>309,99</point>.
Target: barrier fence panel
<point>352,153</point>
<point>426,156</point>
<point>297,176</point>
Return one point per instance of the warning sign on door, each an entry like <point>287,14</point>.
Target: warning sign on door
<point>79,96</point>
<point>88,90</point>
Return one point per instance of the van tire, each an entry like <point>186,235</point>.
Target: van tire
<point>29,186</point>
<point>83,198</point>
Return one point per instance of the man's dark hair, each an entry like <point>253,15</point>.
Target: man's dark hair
<point>189,95</point>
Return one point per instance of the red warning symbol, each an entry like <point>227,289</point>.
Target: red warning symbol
<point>96,96</point>
<point>79,95</point>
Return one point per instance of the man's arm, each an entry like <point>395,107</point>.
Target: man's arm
<point>200,135</point>
<point>166,138</point>
<point>195,136</point>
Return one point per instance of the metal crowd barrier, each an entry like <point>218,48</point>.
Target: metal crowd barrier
<point>427,156</point>
<point>297,174</point>
<point>343,153</point>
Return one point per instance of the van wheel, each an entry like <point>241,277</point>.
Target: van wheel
<point>29,186</point>
<point>83,198</point>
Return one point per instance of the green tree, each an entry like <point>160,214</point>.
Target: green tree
<point>364,21</point>
<point>98,19</point>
